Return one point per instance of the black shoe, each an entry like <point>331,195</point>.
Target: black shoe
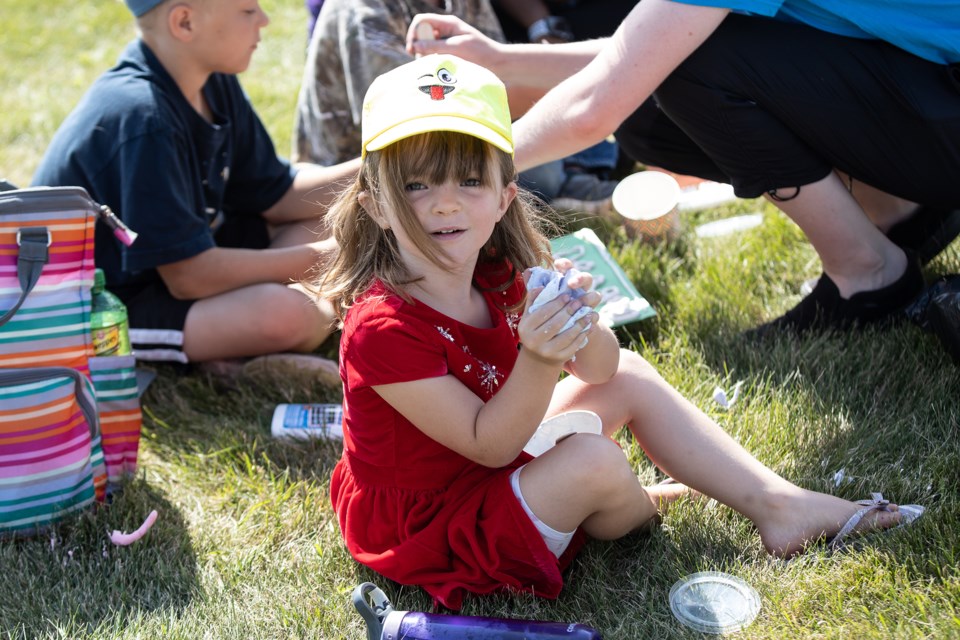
<point>927,232</point>
<point>824,309</point>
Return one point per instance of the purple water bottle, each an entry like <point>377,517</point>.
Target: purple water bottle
<point>383,623</point>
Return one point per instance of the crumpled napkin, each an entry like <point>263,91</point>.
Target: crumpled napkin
<point>555,284</point>
<point>721,398</point>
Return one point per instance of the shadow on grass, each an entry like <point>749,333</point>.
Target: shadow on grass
<point>620,587</point>
<point>197,414</point>
<point>72,579</point>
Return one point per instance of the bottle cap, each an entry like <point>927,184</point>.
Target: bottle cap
<point>99,279</point>
<point>714,602</point>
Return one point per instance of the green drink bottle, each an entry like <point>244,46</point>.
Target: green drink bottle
<point>109,326</point>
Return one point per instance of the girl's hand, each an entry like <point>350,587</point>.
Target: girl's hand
<point>541,331</point>
<point>598,362</point>
<point>580,280</point>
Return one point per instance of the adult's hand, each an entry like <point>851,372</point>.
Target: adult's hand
<point>452,35</point>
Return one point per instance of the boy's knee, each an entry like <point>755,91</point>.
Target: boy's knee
<point>292,321</point>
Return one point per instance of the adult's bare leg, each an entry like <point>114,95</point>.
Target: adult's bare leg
<point>883,209</point>
<point>855,253</point>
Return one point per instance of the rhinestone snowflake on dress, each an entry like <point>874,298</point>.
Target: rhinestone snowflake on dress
<point>489,376</point>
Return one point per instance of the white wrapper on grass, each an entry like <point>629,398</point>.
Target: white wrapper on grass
<point>720,396</point>
<point>555,284</point>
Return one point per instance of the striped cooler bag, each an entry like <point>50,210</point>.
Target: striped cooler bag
<point>69,422</point>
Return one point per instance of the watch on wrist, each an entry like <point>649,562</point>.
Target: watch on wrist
<point>552,28</point>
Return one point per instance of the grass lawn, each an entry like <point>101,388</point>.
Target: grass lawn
<point>246,544</point>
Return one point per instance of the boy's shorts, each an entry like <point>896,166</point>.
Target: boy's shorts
<point>157,318</point>
<point>156,324</point>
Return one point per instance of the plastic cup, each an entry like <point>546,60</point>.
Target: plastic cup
<point>648,202</point>
<point>553,430</point>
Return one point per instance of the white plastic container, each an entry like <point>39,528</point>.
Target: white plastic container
<point>553,430</point>
<point>304,421</point>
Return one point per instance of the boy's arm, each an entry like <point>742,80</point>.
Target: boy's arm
<point>313,189</point>
<point>220,269</point>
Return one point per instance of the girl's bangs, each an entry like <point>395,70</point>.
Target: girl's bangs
<point>439,156</point>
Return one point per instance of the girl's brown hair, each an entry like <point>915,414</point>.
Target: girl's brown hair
<point>369,252</point>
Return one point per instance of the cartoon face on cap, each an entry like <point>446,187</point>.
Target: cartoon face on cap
<point>438,85</point>
<point>436,93</point>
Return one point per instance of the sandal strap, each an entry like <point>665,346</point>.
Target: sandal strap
<point>876,504</point>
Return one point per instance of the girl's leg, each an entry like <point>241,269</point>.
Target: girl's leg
<point>586,481</point>
<point>683,442</point>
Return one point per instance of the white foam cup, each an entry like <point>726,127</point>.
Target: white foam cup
<point>649,201</point>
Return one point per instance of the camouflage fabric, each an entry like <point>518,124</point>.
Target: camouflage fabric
<point>353,42</point>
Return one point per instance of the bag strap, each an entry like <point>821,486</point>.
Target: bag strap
<point>34,252</point>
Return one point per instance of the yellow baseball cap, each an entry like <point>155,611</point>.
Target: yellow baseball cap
<point>438,92</point>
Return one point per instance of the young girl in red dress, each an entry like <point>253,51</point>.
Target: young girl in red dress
<point>447,373</point>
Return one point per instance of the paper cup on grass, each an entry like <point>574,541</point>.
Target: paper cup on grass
<point>649,201</point>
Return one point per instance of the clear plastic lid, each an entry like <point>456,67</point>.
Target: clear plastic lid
<point>714,602</point>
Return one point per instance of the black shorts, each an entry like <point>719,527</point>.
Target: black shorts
<point>775,105</point>
<point>157,318</point>
<point>156,324</point>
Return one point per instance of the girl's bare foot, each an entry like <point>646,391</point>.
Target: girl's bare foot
<point>663,496</point>
<point>790,523</point>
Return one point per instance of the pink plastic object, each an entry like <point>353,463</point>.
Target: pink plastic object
<point>123,539</point>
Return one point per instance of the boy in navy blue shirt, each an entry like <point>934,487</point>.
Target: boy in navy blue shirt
<point>169,141</point>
